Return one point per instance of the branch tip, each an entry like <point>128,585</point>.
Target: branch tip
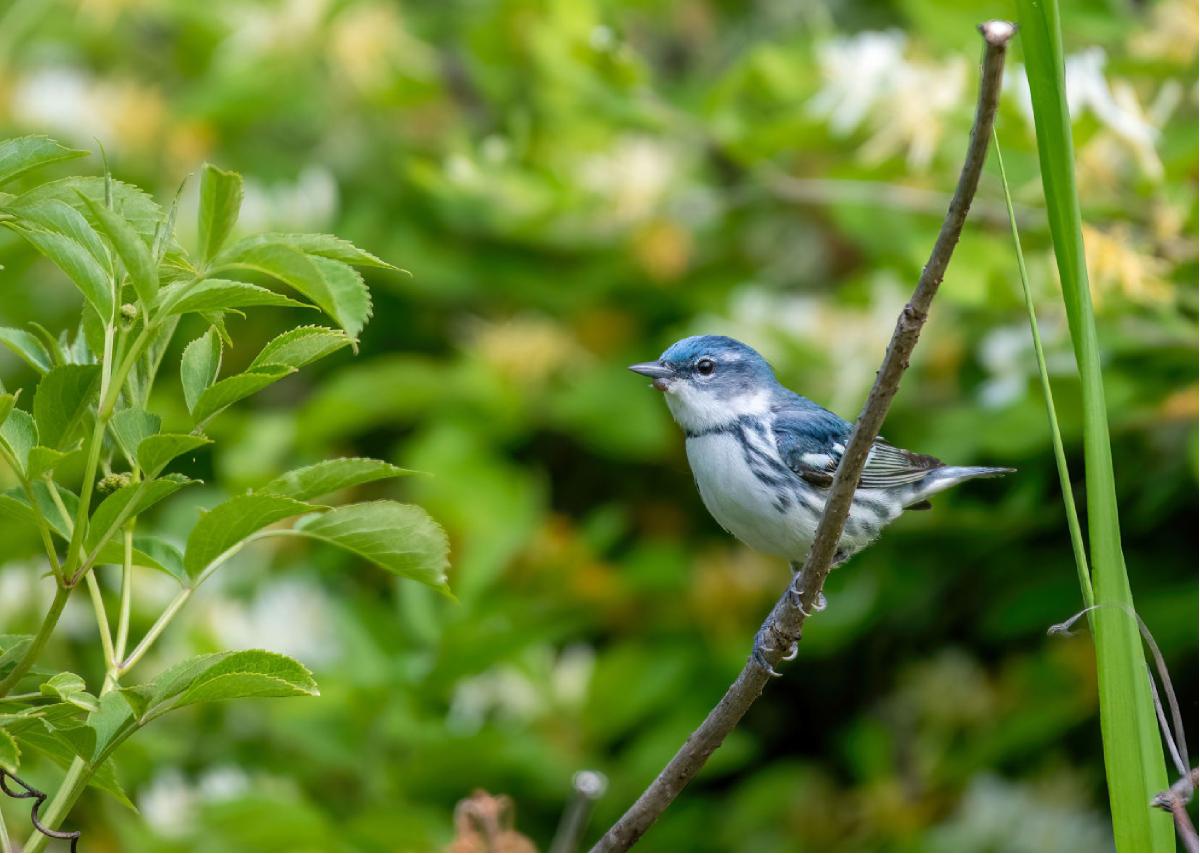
<point>998,33</point>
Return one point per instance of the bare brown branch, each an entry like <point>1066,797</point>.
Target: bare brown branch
<point>784,624</point>
<point>1175,801</point>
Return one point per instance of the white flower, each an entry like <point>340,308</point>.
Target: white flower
<point>633,176</point>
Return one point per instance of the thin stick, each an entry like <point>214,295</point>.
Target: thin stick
<point>786,620</point>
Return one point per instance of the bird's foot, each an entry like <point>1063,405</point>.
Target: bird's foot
<point>763,646</point>
<point>797,597</point>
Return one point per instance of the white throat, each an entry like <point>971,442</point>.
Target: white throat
<point>697,409</point>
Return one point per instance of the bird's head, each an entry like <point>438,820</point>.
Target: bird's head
<point>711,380</point>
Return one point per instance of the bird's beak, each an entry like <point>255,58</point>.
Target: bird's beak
<point>655,370</point>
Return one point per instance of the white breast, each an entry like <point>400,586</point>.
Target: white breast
<point>743,505</point>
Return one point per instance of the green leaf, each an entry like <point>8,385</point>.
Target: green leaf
<point>14,504</point>
<point>10,752</point>
<point>134,204</point>
<point>310,482</point>
<point>61,399</point>
<point>93,281</point>
<point>129,501</point>
<point>300,346</point>
<point>226,676</point>
<point>155,452</point>
<point>220,201</point>
<point>149,551</point>
<point>20,155</point>
<point>8,400</point>
<point>131,427</point>
<point>231,522</point>
<point>328,246</point>
<point>402,539</point>
<point>111,721</point>
<point>199,366</point>
<point>130,248</point>
<point>12,648</point>
<point>43,460</point>
<point>233,389</point>
<point>341,294</point>
<point>55,215</point>
<point>69,688</point>
<point>19,432</point>
<point>26,346</point>
<point>1133,754</point>
<point>62,750</point>
<point>219,295</point>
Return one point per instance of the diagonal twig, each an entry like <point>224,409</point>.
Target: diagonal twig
<point>784,624</point>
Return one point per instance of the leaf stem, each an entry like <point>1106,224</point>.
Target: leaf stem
<point>126,594</point>
<point>155,631</point>
<point>61,593</point>
<point>1060,456</point>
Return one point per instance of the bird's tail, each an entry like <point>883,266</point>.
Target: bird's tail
<point>945,477</point>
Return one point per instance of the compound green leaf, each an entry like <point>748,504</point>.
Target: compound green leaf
<point>20,155</point>
<point>233,389</point>
<point>300,346</point>
<point>220,295</point>
<point>129,501</point>
<point>231,522</point>
<point>130,248</point>
<point>155,452</point>
<point>220,201</point>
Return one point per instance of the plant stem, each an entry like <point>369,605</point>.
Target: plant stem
<point>5,842</point>
<point>1060,456</point>
<point>97,598</point>
<point>68,793</point>
<point>155,631</point>
<point>786,620</point>
<point>126,594</point>
<point>61,593</point>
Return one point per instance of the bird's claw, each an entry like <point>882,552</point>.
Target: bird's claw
<point>797,597</point>
<point>761,648</point>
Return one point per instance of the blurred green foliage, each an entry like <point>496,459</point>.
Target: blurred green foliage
<point>573,186</point>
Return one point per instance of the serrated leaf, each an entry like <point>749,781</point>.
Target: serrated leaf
<point>130,248</point>
<point>69,688</point>
<point>19,433</point>
<point>231,522</point>
<point>111,721</point>
<point>155,452</point>
<point>10,752</point>
<point>26,346</point>
<point>134,204</point>
<point>129,501</point>
<point>328,246</point>
<point>199,366</point>
<point>233,389</point>
<point>226,676</point>
<point>402,539</point>
<point>59,217</point>
<point>8,401</point>
<point>131,427</point>
<point>300,346</point>
<point>220,201</point>
<point>20,155</point>
<point>150,552</point>
<point>219,295</point>
<point>344,298</point>
<point>310,482</point>
<point>12,648</point>
<point>61,399</point>
<point>80,266</point>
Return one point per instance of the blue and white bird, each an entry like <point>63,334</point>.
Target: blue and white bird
<point>764,457</point>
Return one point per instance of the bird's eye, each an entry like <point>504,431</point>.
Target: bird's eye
<point>706,367</point>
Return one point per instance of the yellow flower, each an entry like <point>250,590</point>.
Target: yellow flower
<point>1118,266</point>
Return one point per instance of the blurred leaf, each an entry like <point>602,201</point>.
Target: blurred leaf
<point>19,433</point>
<point>62,398</point>
<point>10,752</point>
<point>7,401</point>
<point>402,539</point>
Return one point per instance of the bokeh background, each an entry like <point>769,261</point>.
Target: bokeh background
<point>574,185</point>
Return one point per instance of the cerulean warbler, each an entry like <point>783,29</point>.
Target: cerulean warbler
<point>764,457</point>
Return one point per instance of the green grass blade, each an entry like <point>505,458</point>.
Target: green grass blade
<point>1133,756</point>
<point>1060,456</point>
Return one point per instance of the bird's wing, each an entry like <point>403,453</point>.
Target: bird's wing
<point>811,441</point>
